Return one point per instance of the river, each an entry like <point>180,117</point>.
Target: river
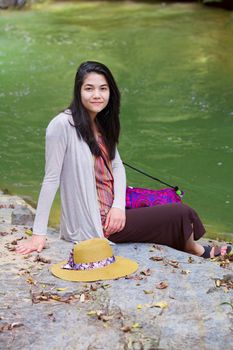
<point>174,66</point>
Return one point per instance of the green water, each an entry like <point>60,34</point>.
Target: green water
<point>174,68</point>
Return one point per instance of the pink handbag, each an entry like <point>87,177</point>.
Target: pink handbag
<point>141,197</point>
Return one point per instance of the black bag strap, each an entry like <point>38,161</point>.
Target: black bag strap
<point>176,188</point>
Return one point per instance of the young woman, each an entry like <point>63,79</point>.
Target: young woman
<point>82,159</point>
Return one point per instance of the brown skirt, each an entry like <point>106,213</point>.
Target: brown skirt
<point>169,224</point>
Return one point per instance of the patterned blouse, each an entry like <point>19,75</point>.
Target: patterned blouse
<point>104,181</point>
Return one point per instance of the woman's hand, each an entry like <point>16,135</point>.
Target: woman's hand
<point>115,221</point>
<point>35,243</point>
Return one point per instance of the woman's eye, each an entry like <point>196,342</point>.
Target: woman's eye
<point>88,89</point>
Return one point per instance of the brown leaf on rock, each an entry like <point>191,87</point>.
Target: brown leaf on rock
<point>10,247</point>
<point>157,247</point>
<point>42,259</point>
<point>3,233</point>
<point>148,291</point>
<point>126,329</point>
<point>134,277</point>
<point>52,317</point>
<point>30,280</point>
<point>173,263</point>
<point>94,287</point>
<point>161,304</point>
<point>106,285</point>
<point>47,296</point>
<point>23,271</point>
<point>226,281</point>
<point>26,256</point>
<point>10,326</point>
<point>146,272</point>
<point>156,258</point>
<point>162,285</point>
<point>106,318</point>
<point>82,298</point>
<point>190,260</point>
<point>225,263</point>
<point>101,315</point>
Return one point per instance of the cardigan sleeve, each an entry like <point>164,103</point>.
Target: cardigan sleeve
<point>55,148</point>
<point>119,182</point>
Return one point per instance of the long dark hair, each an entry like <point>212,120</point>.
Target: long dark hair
<point>107,120</point>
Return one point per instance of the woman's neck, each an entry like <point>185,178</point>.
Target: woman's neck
<point>95,129</point>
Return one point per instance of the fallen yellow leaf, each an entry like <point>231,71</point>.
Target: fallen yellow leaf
<point>148,291</point>
<point>61,289</point>
<point>136,325</point>
<point>92,313</point>
<point>55,297</point>
<point>28,232</point>
<point>160,304</point>
<point>218,283</point>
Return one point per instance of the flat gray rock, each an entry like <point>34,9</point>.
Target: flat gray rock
<point>40,311</point>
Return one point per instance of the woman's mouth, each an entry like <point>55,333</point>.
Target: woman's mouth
<point>96,103</point>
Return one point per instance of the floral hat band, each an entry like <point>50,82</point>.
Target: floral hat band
<point>93,260</point>
<point>87,266</point>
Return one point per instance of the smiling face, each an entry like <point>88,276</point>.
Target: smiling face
<point>95,93</point>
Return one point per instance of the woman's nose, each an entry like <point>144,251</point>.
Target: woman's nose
<point>97,93</point>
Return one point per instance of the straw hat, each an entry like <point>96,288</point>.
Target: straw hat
<point>93,260</point>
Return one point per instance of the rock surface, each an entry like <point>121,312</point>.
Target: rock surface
<point>40,311</point>
<point>22,215</point>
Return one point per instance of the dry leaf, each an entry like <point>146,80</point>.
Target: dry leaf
<point>218,283</point>
<point>226,281</point>
<point>30,280</point>
<point>27,256</point>
<point>136,325</point>
<point>2,234</point>
<point>28,232</point>
<point>173,263</point>
<point>82,298</point>
<point>157,247</point>
<point>134,277</point>
<point>10,247</point>
<point>92,313</point>
<point>148,291</point>
<point>94,287</point>
<point>101,315</point>
<point>106,318</point>
<point>56,297</point>
<point>156,258</point>
<point>60,289</point>
<point>146,272</point>
<point>126,329</point>
<point>190,260</point>
<point>40,258</point>
<point>160,304</point>
<point>162,285</point>
<point>47,296</point>
<point>10,326</point>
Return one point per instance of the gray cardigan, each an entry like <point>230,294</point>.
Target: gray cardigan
<point>70,165</point>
